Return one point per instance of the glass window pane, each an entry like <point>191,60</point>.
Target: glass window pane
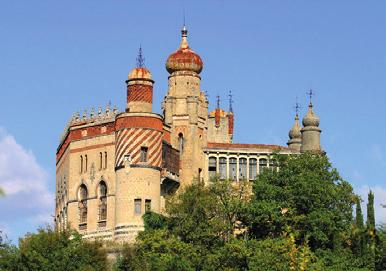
<point>252,168</point>
<point>223,168</point>
<point>242,168</point>
<point>137,206</point>
<point>232,168</point>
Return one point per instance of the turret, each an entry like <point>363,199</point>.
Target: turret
<point>139,88</point>
<point>295,135</point>
<point>310,131</point>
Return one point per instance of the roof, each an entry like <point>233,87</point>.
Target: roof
<point>213,145</point>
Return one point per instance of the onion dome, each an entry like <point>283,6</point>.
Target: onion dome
<point>311,119</point>
<point>295,133</point>
<point>139,73</point>
<point>184,59</point>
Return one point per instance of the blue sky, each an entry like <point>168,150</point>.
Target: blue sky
<point>57,57</point>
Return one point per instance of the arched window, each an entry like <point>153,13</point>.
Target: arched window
<point>81,164</point>
<point>252,168</point>
<point>181,143</point>
<point>242,168</point>
<point>83,196</point>
<point>212,167</point>
<point>86,163</point>
<point>263,164</point>
<point>102,201</point>
<point>223,168</point>
<point>232,169</point>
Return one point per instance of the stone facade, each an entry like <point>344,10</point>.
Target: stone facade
<point>112,167</point>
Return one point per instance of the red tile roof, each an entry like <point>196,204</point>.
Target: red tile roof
<point>212,145</point>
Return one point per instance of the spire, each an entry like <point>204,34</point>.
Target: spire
<point>184,34</point>
<point>295,134</point>
<point>140,58</point>
<point>230,101</point>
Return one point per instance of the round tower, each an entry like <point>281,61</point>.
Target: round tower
<point>138,155</point>
<point>186,109</point>
<point>139,88</point>
<point>310,131</point>
<point>295,135</point>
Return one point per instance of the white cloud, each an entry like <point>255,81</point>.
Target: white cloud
<point>28,199</point>
<point>379,198</point>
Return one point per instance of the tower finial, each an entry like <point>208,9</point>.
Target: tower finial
<point>140,58</point>
<point>311,93</point>
<point>218,101</point>
<point>230,101</point>
<point>297,107</point>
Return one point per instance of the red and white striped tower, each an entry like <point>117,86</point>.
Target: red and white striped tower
<point>138,155</point>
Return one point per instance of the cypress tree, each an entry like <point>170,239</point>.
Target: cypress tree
<point>359,216</point>
<point>370,212</point>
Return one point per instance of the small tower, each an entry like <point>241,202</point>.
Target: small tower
<point>139,87</point>
<point>310,131</point>
<point>295,135</point>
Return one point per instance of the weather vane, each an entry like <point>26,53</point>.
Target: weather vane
<point>230,101</point>
<point>311,93</point>
<point>297,107</point>
<point>218,101</point>
<point>140,58</point>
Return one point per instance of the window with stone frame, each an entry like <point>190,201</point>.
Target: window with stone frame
<point>223,168</point>
<point>273,165</point>
<point>263,164</point>
<point>212,169</point>
<point>143,156</point>
<point>137,206</point>
<point>83,197</point>
<point>233,169</point>
<point>242,168</point>
<point>147,205</point>
<point>102,201</point>
<point>252,169</point>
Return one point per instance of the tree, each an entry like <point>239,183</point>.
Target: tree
<point>306,195</point>
<point>50,250</point>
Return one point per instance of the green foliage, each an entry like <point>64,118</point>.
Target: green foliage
<point>306,195</point>
<point>50,250</point>
<point>358,214</point>
<point>154,221</point>
<point>370,212</point>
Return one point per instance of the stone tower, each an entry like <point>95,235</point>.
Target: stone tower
<point>310,131</point>
<point>295,135</point>
<point>186,109</point>
<point>138,137</point>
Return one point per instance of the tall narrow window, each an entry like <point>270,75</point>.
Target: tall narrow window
<point>81,164</point>
<point>212,167</point>
<point>105,160</point>
<point>262,165</point>
<point>83,195</point>
<point>100,161</point>
<point>102,201</point>
<point>223,168</point>
<point>143,154</point>
<point>181,143</point>
<point>86,163</point>
<point>242,168</point>
<point>147,205</point>
<point>137,206</point>
<point>273,164</point>
<point>252,168</point>
<point>232,169</point>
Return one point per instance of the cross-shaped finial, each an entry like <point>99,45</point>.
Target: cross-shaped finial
<point>297,107</point>
<point>218,101</point>
<point>230,101</point>
<point>140,58</point>
<point>311,93</point>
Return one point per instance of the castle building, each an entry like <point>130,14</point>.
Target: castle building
<point>112,167</point>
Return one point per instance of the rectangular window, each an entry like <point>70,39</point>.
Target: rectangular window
<point>223,168</point>
<point>242,168</point>
<point>143,154</point>
<point>232,169</point>
<point>147,205</point>
<point>252,169</point>
<point>212,167</point>
<point>137,206</point>
<point>105,160</point>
